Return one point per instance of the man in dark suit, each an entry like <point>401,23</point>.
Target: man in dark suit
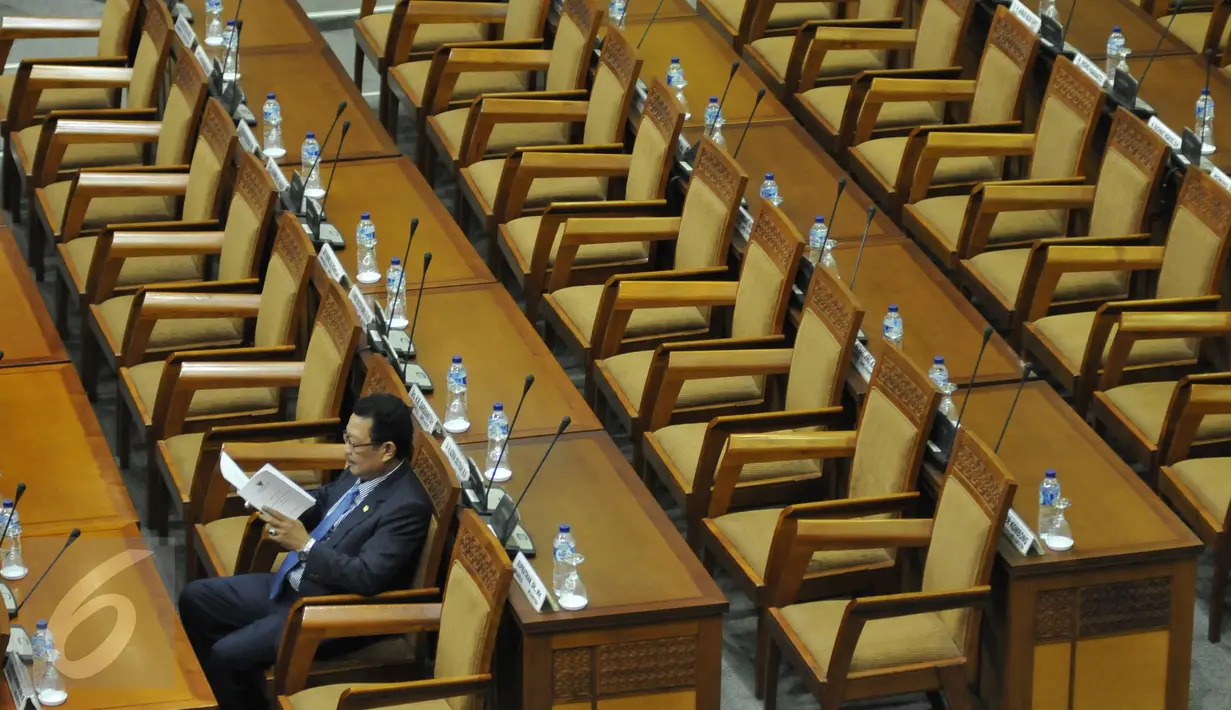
<point>363,536</point>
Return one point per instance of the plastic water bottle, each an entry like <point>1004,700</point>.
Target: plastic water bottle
<point>1205,122</point>
<point>939,375</point>
<point>13,565</point>
<point>615,12</point>
<point>311,175</point>
<point>365,240</point>
<point>213,22</point>
<point>52,692</point>
<point>230,71</point>
<point>769,190</point>
<point>1115,45</point>
<point>456,420</point>
<point>714,122</point>
<point>563,549</point>
<point>891,329</point>
<point>44,647</point>
<point>497,434</point>
<point>675,79</point>
<point>395,291</point>
<point>1049,493</point>
<point>271,113</point>
<point>1047,8</point>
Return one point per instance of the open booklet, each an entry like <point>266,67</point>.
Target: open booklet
<point>267,488</point>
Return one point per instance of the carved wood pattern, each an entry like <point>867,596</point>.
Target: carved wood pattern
<point>189,76</point>
<point>1012,37</point>
<point>157,23</point>
<point>475,557</point>
<point>337,317</point>
<point>571,671</point>
<point>217,130</point>
<point>828,305</point>
<point>253,185</point>
<point>958,6</point>
<point>435,479</point>
<point>1133,139</point>
<point>292,247</point>
<point>660,110</point>
<point>647,665</point>
<point>1208,201</point>
<point>717,171</point>
<point>1054,611</point>
<point>619,56</point>
<point>769,234</point>
<point>582,13</point>
<point>1072,87</point>
<point>1124,607</point>
<point>985,482</point>
<point>900,387</point>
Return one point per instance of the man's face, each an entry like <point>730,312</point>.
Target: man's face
<point>365,458</point>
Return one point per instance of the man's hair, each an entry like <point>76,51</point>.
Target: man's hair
<point>391,421</point>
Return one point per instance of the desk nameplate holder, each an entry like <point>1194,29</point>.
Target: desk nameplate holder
<point>183,28</point>
<point>531,584</point>
<point>505,523</point>
<point>422,410</point>
<point>20,684</point>
<point>1020,535</point>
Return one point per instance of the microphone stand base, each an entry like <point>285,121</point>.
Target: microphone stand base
<point>519,541</point>
<point>20,644</point>
<point>10,601</point>
<point>329,234</point>
<point>400,342</point>
<point>418,377</point>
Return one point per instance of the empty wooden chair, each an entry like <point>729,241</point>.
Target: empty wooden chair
<point>1201,26</point>
<point>742,21</point>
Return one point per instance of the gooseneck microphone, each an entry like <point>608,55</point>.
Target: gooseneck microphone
<point>427,260</point>
<point>563,425</point>
<point>234,44</point>
<point>1064,31</point>
<point>72,537</point>
<point>748,123</point>
<point>415,374</point>
<point>334,173</point>
<point>863,242</point>
<point>21,491</point>
<point>987,336</point>
<point>723,101</point>
<point>397,292</point>
<point>1027,369</point>
<point>650,23</point>
<point>833,214</point>
<point>1175,12</point>
<point>304,178</point>
<point>496,469</point>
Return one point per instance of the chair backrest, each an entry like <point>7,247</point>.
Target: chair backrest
<point>768,271</point>
<point>615,80</point>
<point>525,19</point>
<point>1195,398</point>
<point>1067,119</point>
<point>828,326</point>
<point>248,220</point>
<point>1009,53</point>
<point>877,9</point>
<point>152,51</point>
<point>115,33</point>
<point>1196,248</point>
<point>941,26</point>
<point>432,468</point>
<point>710,208</point>
<point>182,113</point>
<point>894,426</point>
<point>662,118</point>
<point>474,596</point>
<point>1129,177</point>
<point>974,500</point>
<point>570,55</point>
<point>331,350</point>
<point>285,290</point>
<point>211,158</point>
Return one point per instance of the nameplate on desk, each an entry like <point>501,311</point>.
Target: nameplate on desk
<point>183,28</point>
<point>743,223</point>
<point>1170,137</point>
<point>1221,178</point>
<point>1020,534</point>
<point>203,59</point>
<point>1190,148</point>
<point>531,585</point>
<point>1028,18</point>
<point>247,140</point>
<point>1090,69</point>
<point>361,305</point>
<point>275,173</point>
<point>328,260</point>
<point>422,409</point>
<point>21,686</point>
<point>863,360</point>
<point>639,96</point>
<point>1124,88</point>
<point>457,459</point>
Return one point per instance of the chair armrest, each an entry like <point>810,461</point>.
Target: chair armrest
<point>132,244</point>
<point>803,66</point>
<point>88,185</point>
<point>59,132</point>
<point>193,377</point>
<point>521,170</point>
<point>440,12</point>
<point>708,364</point>
<point>860,534</point>
<point>17,27</point>
<point>891,605</point>
<point>486,113</point>
<point>854,507</point>
<point>473,59</point>
<point>389,694</point>
<point>1138,326</point>
<point>1061,260</point>
<point>158,306</point>
<point>633,294</point>
<point>747,449</point>
<point>991,199</point>
<point>963,145</point>
<point>60,76</point>
<point>890,90</point>
<point>604,341</point>
<point>291,455</point>
<point>583,231</point>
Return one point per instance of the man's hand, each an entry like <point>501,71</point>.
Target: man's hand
<point>287,532</point>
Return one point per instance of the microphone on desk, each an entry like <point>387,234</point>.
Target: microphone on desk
<point>413,373</point>
<point>1027,369</point>
<point>505,519</point>
<point>650,23</point>
<point>1064,30</point>
<point>322,230</point>
<point>944,432</point>
<point>19,638</point>
<point>690,156</point>
<point>10,601</point>
<point>863,242</point>
<point>495,473</point>
<point>231,96</point>
<point>833,214</point>
<point>72,537</point>
<point>402,347</point>
<point>1128,90</point>
<point>334,172</point>
<point>748,123</point>
<point>297,191</point>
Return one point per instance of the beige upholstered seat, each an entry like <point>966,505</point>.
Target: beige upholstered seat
<point>326,698</point>
<point>107,210</point>
<point>1146,404</point>
<point>776,51</point>
<point>428,36</point>
<point>1191,28</point>
<point>56,99</point>
<point>179,333</point>
<point>412,77</point>
<point>146,376</point>
<point>451,127</point>
<point>752,531</point>
<point>1210,482</point>
<point>945,216</point>
<point>80,155</point>
<point>579,304</point>
<point>829,102</point>
<point>884,155</point>
<point>136,271</point>
<point>1069,333</point>
<point>523,232</point>
<point>184,449</point>
<point>785,14</point>
<point>1004,270</point>
<point>486,177</point>
<point>629,371</point>
<point>223,537</point>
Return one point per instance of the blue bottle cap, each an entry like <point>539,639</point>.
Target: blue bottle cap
<point>311,134</point>
<point>675,60</point>
<point>497,407</point>
<point>271,95</point>
<point>564,527</point>
<point>8,502</point>
<point>938,360</point>
<point>713,99</point>
<point>1115,29</point>
<point>41,625</point>
<point>820,219</point>
<point>457,359</point>
<point>396,261</point>
<point>230,23</point>
<point>1205,91</point>
<point>769,176</point>
<point>363,215</point>
<point>1050,473</point>
<point>893,308</point>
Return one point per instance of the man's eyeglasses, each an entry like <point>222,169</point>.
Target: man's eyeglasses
<point>346,439</point>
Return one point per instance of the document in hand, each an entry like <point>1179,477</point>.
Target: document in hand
<point>268,488</point>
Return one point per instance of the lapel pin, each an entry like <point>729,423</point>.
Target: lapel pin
<point>365,509</point>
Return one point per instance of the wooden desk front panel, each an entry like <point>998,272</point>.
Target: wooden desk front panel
<point>50,439</point>
<point>394,191</point>
<point>27,334</point>
<point>266,24</point>
<point>131,652</point>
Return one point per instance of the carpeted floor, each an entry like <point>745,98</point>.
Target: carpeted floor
<point>1210,683</point>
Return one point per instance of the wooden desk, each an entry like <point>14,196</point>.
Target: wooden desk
<point>401,195</point>
<point>153,667</point>
<point>266,24</point>
<point>1107,624</point>
<point>309,83</point>
<point>651,635</point>
<point>1093,20</point>
<point>807,178</point>
<point>50,439</point>
<point>938,320</point>
<point>499,347</point>
<point>1174,83</point>
<point>643,10</point>
<point>27,334</point>
<point>706,59</point>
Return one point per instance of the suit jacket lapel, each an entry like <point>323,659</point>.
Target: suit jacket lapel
<point>369,504</point>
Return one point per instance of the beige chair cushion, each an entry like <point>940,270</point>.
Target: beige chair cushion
<point>579,305</point>
<point>945,214</point>
<point>1145,405</point>
<point>78,155</point>
<point>183,450</point>
<point>1210,482</point>
<point>486,177</point>
<point>146,376</point>
<point>1004,270</point>
<point>783,15</point>
<point>523,232</point>
<point>776,52</point>
<point>1068,334</point>
<point>106,210</point>
<point>427,36</point>
<point>178,333</point>
<point>55,99</point>
<point>885,157</point>
<point>629,370</point>
<point>223,536</point>
<point>504,137</point>
<point>752,531</point>
<point>829,102</point>
<point>682,445</point>
<point>412,76</point>
<point>900,640</point>
<point>136,271</point>
<point>1191,28</point>
<point>326,698</point>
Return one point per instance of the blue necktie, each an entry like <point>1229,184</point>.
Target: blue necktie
<point>318,534</point>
